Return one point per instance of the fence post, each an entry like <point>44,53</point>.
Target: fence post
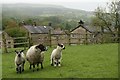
<point>69,38</point>
<point>57,38</point>
<point>49,34</point>
<point>86,38</point>
<point>79,39</point>
<point>29,40</point>
<point>25,44</point>
<point>4,43</point>
<point>102,38</point>
<point>118,35</point>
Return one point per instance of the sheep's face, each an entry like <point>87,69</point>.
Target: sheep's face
<point>41,47</point>
<point>18,53</point>
<point>61,46</point>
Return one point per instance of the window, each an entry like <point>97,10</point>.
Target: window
<point>9,42</point>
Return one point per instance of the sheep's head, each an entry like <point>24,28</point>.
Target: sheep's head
<point>18,53</point>
<point>41,47</point>
<point>61,46</point>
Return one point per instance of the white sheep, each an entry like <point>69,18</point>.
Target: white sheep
<point>56,55</point>
<point>19,61</point>
<point>35,56</point>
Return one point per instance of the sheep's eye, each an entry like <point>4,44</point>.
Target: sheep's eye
<point>61,45</point>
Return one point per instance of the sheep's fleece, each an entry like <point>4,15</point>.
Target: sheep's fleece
<point>56,55</point>
<point>35,55</point>
<point>19,61</point>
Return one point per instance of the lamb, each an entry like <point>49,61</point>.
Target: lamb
<point>56,55</point>
<point>35,56</point>
<point>19,61</point>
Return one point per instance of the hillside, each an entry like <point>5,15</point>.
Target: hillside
<point>42,10</point>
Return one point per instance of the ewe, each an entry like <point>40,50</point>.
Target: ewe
<point>19,61</point>
<point>35,55</point>
<point>56,55</point>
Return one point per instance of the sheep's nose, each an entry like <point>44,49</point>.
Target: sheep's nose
<point>64,48</point>
<point>19,55</point>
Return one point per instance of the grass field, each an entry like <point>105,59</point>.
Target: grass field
<point>81,61</point>
<point>0,64</point>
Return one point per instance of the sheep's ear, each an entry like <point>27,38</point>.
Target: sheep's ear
<point>37,46</point>
<point>16,51</point>
<point>59,44</point>
<point>21,51</point>
<point>41,47</point>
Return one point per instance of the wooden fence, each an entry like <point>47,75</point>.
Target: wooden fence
<point>76,38</point>
<point>18,42</point>
<point>67,39</point>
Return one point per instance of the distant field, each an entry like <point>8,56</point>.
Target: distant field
<point>81,61</point>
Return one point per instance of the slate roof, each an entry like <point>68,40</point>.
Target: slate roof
<point>89,29</point>
<point>38,29</point>
<point>55,31</point>
<point>85,27</point>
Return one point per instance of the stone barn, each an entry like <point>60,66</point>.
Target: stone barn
<point>59,36</point>
<point>9,40</point>
<point>81,34</point>
<point>38,34</point>
<point>89,34</point>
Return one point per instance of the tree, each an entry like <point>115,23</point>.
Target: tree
<point>97,23</point>
<point>103,16</point>
<point>108,17</point>
<point>68,26</point>
<point>114,9</point>
<point>15,32</point>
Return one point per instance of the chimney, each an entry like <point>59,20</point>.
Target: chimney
<point>34,24</point>
<point>23,22</point>
<point>50,24</point>
<point>81,23</point>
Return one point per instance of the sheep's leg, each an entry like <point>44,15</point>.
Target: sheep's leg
<point>30,66</point>
<point>20,69</point>
<point>17,69</point>
<point>33,67</point>
<point>52,62</point>
<point>41,65</point>
<point>37,66</point>
<point>23,66</point>
<point>55,63</point>
<point>59,61</point>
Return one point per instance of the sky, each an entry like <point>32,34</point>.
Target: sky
<point>88,5</point>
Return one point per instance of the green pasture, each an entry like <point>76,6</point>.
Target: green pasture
<point>78,61</point>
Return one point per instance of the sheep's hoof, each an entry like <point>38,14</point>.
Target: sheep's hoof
<point>30,68</point>
<point>38,69</point>
<point>33,70</point>
<point>22,70</point>
<point>51,64</point>
<point>41,67</point>
<point>59,65</point>
<point>55,65</point>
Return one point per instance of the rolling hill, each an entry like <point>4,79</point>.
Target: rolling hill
<point>43,10</point>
